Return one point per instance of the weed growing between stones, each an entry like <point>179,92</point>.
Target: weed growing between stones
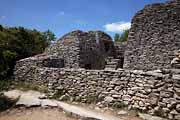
<point>58,94</point>
<point>118,105</point>
<point>25,86</point>
<point>4,84</point>
<point>159,113</point>
<point>93,100</point>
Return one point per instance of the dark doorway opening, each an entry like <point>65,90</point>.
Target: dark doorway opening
<point>88,66</point>
<point>121,63</point>
<point>53,63</point>
<point>106,46</point>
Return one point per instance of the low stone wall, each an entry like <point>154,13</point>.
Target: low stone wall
<point>157,92</point>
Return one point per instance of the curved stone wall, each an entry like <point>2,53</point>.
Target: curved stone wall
<point>76,49</point>
<point>153,37</point>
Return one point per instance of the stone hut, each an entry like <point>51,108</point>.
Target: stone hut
<point>77,49</point>
<point>154,36</point>
<point>83,49</point>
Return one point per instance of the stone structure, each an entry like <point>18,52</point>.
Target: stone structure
<point>77,49</point>
<point>120,50</point>
<point>83,49</point>
<point>156,92</point>
<point>65,66</point>
<point>175,63</point>
<point>154,36</point>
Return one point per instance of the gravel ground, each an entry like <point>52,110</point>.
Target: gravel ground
<point>35,114</point>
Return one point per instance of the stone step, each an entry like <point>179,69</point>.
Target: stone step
<point>110,57</point>
<point>111,66</point>
<point>115,60</point>
<point>110,69</point>
<point>120,55</point>
<point>111,63</point>
<point>108,61</point>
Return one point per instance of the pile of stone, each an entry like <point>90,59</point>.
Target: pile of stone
<point>175,63</point>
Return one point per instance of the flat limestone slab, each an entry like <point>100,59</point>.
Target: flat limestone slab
<point>84,113</point>
<point>48,103</point>
<point>28,101</point>
<point>150,117</point>
<point>13,94</point>
<point>32,98</point>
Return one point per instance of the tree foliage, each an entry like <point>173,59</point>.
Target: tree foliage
<point>121,38</point>
<point>18,43</point>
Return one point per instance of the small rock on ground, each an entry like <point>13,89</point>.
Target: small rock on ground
<point>150,117</point>
<point>122,112</point>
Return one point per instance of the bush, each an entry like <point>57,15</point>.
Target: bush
<point>4,85</point>
<point>121,38</point>
<point>17,43</point>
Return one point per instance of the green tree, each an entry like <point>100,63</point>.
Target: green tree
<point>124,36</point>
<point>1,28</point>
<point>116,37</point>
<point>49,36</point>
<point>121,38</point>
<point>18,43</point>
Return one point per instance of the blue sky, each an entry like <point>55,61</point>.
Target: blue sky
<point>62,16</point>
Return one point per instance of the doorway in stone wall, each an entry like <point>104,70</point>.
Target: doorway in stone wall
<point>53,63</point>
<point>109,48</point>
<point>106,46</point>
<point>88,66</point>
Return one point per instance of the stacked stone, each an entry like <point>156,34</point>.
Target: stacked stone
<point>76,49</point>
<point>67,47</point>
<point>157,92</point>
<point>175,63</point>
<point>120,50</point>
<point>112,63</point>
<point>153,37</point>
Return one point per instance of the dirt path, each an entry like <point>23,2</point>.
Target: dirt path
<point>55,109</point>
<point>44,114</point>
<point>35,114</point>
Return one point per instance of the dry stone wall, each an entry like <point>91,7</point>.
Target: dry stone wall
<point>154,36</point>
<point>157,92</point>
<point>83,49</point>
<point>76,49</point>
<point>67,48</point>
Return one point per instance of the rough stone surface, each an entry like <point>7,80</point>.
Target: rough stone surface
<point>28,101</point>
<point>147,91</point>
<point>76,49</point>
<point>150,117</point>
<point>122,112</point>
<point>153,37</point>
<point>14,94</point>
<point>48,103</point>
<point>31,99</point>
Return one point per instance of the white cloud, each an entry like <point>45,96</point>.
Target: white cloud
<point>117,27</point>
